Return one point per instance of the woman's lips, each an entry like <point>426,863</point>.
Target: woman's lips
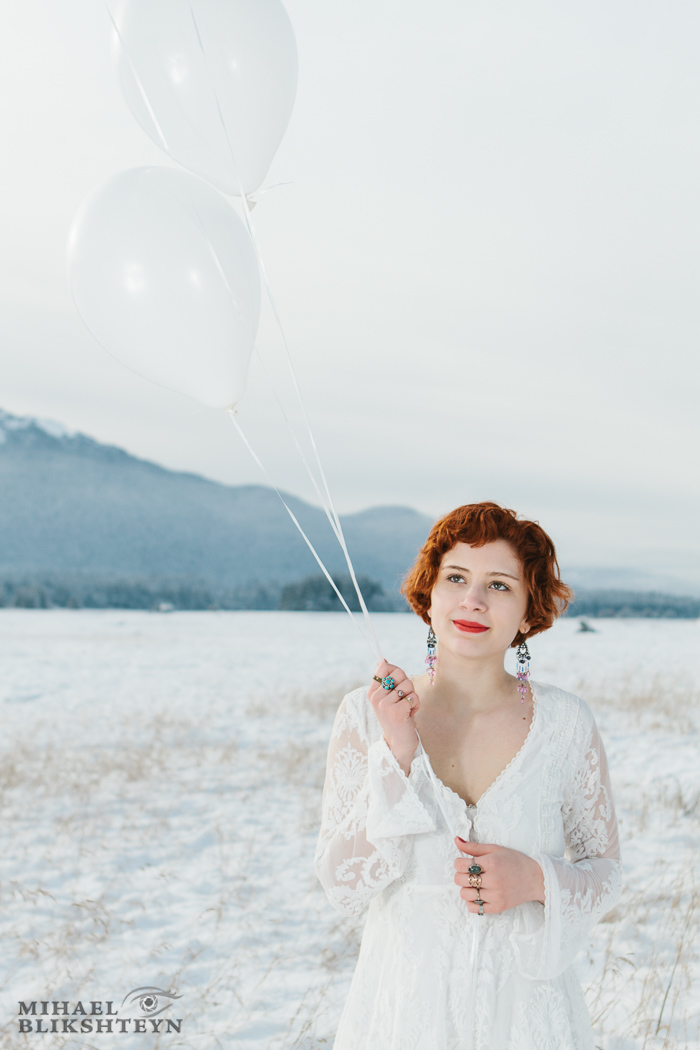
<point>469,626</point>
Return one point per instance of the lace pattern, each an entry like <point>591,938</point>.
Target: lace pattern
<point>369,809</point>
<point>430,974</point>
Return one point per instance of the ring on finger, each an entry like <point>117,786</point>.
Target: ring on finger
<point>475,881</point>
<point>405,696</point>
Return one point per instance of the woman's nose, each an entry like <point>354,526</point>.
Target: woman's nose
<point>474,597</point>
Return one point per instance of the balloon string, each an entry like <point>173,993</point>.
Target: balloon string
<point>297,443</point>
<point>338,531</point>
<point>333,518</point>
<point>326,502</point>
<point>474,967</point>
<point>217,261</point>
<point>139,84</point>
<point>253,200</point>
<point>431,776</point>
<point>300,450</point>
<point>375,650</point>
<point>224,278</point>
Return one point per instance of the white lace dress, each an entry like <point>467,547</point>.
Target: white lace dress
<point>430,975</point>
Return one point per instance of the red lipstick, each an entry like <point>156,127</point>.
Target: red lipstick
<point>469,627</point>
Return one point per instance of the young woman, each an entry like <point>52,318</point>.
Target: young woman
<point>472,812</point>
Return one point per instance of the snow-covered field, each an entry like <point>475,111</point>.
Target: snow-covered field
<point>161,777</point>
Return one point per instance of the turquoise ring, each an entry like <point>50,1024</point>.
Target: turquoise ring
<point>475,869</point>
<point>388,682</point>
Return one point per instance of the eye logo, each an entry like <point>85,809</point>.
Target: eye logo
<point>149,1000</point>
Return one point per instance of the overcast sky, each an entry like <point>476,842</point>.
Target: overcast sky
<point>486,264</point>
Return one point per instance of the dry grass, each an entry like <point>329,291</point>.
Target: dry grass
<point>654,977</point>
<point>662,704</point>
<point>645,994</point>
<point>159,748</point>
<point>318,704</point>
<point>159,757</point>
<point>642,994</point>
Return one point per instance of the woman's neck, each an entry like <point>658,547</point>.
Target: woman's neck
<point>464,686</point>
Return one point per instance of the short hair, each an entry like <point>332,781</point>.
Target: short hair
<point>481,523</point>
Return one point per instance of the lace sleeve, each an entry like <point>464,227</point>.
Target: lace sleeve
<point>370,810</point>
<point>581,887</point>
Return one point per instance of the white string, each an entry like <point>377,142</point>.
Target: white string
<point>376,651</point>
<point>476,937</point>
<point>140,86</point>
<point>328,507</point>
<point>373,644</point>
<point>327,502</point>
<point>437,789</point>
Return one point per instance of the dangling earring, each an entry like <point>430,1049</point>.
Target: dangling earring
<point>522,673</point>
<point>431,658</point>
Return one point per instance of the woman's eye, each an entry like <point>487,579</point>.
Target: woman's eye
<point>455,576</point>
<point>498,584</point>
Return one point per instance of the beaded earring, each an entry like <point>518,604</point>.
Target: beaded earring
<point>522,673</point>
<point>431,658</point>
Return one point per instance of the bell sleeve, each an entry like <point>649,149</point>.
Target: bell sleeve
<point>585,884</point>
<point>370,811</point>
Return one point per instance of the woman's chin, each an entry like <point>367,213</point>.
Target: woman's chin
<point>475,648</point>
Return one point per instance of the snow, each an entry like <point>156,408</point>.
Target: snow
<point>11,422</point>
<point>54,429</point>
<point>161,784</point>
<point>49,426</point>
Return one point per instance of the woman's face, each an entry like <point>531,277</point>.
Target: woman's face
<point>479,600</point>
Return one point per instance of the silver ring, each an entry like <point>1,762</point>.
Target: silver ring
<point>400,692</point>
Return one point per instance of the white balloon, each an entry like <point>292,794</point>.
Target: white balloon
<point>212,82</point>
<point>164,274</point>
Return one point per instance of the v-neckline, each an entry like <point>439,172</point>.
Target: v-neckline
<point>504,771</point>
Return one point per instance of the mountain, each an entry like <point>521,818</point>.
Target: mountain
<point>73,509</point>
<point>69,503</point>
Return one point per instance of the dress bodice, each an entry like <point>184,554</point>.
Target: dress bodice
<point>387,841</point>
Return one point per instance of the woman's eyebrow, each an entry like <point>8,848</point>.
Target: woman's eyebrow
<point>460,569</point>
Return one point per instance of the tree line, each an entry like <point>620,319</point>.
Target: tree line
<point>84,590</point>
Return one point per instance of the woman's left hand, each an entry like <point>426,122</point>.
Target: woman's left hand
<point>508,877</point>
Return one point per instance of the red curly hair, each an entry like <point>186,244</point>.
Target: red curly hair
<point>480,523</point>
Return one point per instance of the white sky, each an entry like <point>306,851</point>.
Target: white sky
<point>487,264</point>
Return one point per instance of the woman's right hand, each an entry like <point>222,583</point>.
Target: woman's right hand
<point>394,712</point>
